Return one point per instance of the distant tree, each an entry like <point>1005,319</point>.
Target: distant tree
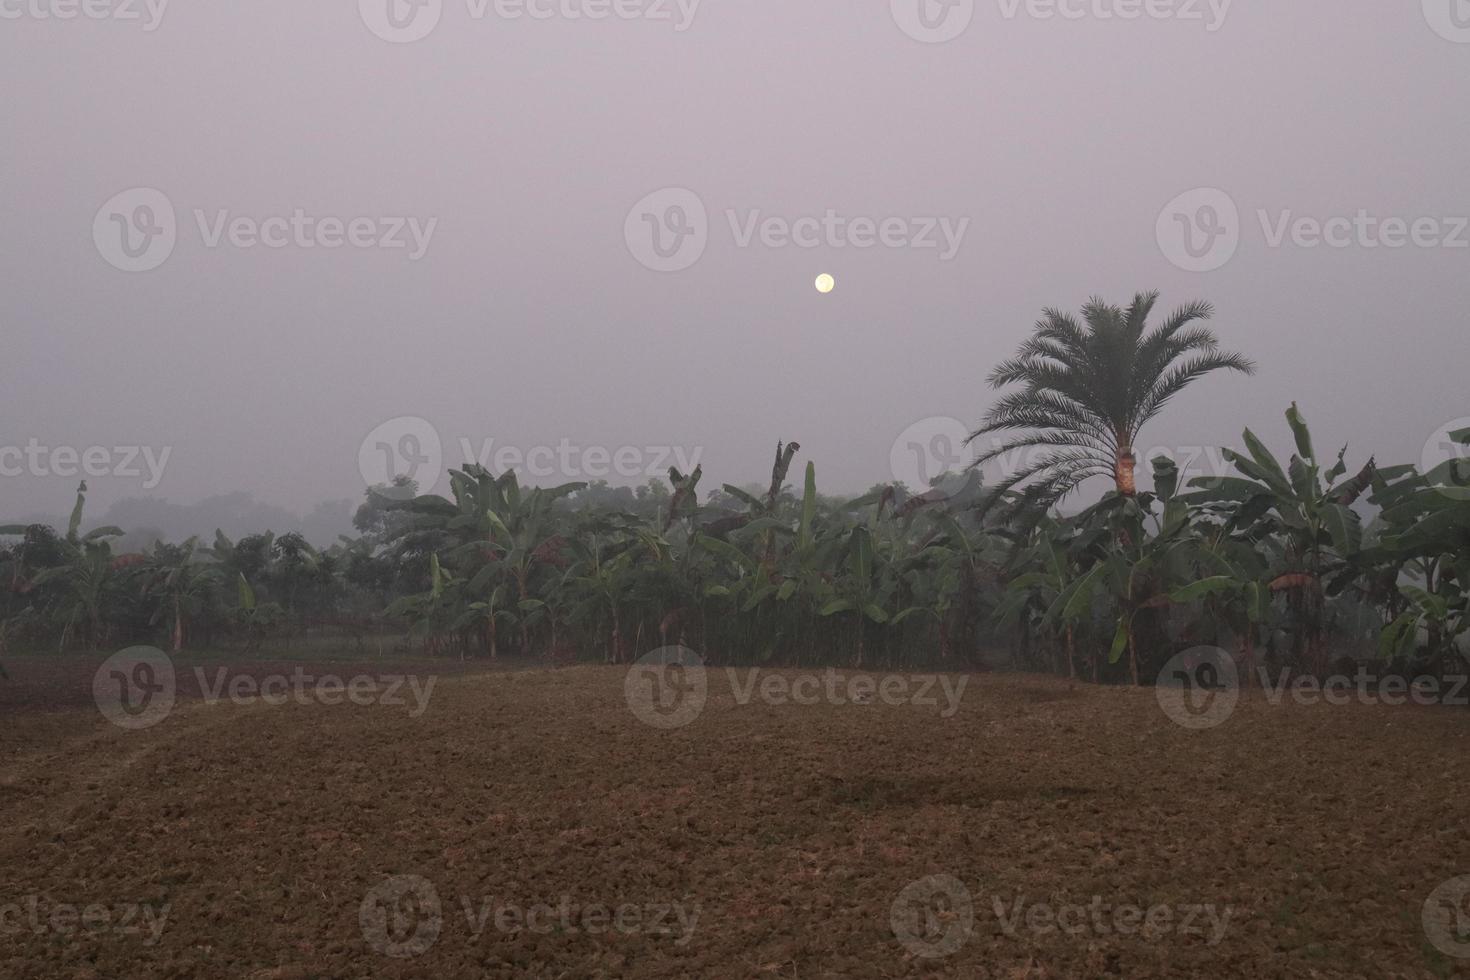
<point>377,518</point>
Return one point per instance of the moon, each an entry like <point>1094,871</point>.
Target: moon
<point>825,283</point>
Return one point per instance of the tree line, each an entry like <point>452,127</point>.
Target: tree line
<point>1296,564</point>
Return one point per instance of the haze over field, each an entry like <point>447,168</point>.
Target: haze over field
<point>507,156</point>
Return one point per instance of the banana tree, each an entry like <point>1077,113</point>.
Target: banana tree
<point>257,619</point>
<point>4,631</point>
<point>685,497</point>
<point>178,585</point>
<point>1425,545</point>
<point>864,588</point>
<point>85,577</point>
<point>601,582</point>
<point>1236,593</point>
<point>940,579</point>
<point>1442,615</point>
<point>1143,564</point>
<point>1301,512</point>
<point>1049,592</point>
<point>491,524</point>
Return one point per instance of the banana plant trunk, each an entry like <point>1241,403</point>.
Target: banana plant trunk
<point>617,637</point>
<point>1248,656</point>
<point>178,641</point>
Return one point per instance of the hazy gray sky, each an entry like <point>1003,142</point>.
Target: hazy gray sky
<point>528,319</point>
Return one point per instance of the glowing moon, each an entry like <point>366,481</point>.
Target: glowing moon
<point>825,283</point>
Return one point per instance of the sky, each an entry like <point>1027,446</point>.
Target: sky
<point>285,248</point>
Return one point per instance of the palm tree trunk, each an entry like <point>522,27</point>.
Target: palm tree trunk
<point>1123,474</point>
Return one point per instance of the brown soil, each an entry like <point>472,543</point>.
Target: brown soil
<point>790,829</point>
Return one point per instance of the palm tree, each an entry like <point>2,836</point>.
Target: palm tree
<point>1088,390</point>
